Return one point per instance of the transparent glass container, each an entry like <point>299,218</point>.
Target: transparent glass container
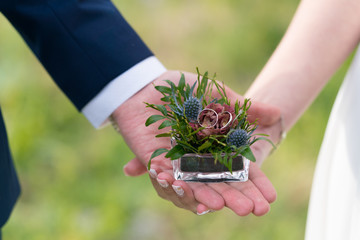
<point>202,168</point>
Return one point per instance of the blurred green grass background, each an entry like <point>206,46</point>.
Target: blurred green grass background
<point>72,182</point>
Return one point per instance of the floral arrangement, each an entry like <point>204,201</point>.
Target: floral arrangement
<point>201,123</point>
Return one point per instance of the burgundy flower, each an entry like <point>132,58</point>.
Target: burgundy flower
<point>216,118</point>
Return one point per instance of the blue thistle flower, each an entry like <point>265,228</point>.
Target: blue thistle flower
<point>192,108</point>
<point>192,105</point>
<point>237,138</point>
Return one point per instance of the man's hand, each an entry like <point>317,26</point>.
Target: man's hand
<point>242,198</point>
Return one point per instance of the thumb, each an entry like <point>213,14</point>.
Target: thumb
<point>267,114</point>
<point>134,168</point>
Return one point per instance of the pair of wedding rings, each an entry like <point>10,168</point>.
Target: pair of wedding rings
<point>206,110</point>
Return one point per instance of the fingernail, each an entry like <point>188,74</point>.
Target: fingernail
<point>163,183</point>
<point>178,189</point>
<point>153,173</point>
<point>203,213</point>
<point>125,171</point>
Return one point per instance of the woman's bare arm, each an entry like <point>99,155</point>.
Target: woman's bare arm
<point>320,37</point>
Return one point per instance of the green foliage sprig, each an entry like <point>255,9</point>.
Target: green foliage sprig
<point>177,112</point>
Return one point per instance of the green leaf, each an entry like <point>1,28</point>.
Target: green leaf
<point>263,138</point>
<point>163,135</point>
<point>156,153</point>
<point>183,127</point>
<point>261,134</point>
<point>186,145</point>
<point>181,84</point>
<point>165,99</point>
<point>195,131</point>
<point>162,109</point>
<point>187,90</point>
<point>218,87</point>
<point>152,119</point>
<point>167,123</point>
<point>173,87</point>
<point>237,107</point>
<point>204,145</point>
<point>216,140</point>
<point>204,82</point>
<point>163,89</point>
<point>248,154</point>
<point>176,152</point>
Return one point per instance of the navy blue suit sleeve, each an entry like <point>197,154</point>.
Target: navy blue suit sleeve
<point>9,184</point>
<point>83,44</point>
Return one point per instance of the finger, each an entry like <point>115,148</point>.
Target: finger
<point>261,150</point>
<point>182,189</point>
<point>153,174</point>
<point>207,196</point>
<point>260,204</point>
<point>265,113</point>
<point>134,168</point>
<point>185,195</point>
<point>262,183</point>
<point>162,183</point>
<point>175,191</point>
<point>165,180</point>
<point>234,199</point>
<point>201,209</point>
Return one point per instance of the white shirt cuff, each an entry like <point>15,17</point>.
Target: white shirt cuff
<point>120,89</point>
